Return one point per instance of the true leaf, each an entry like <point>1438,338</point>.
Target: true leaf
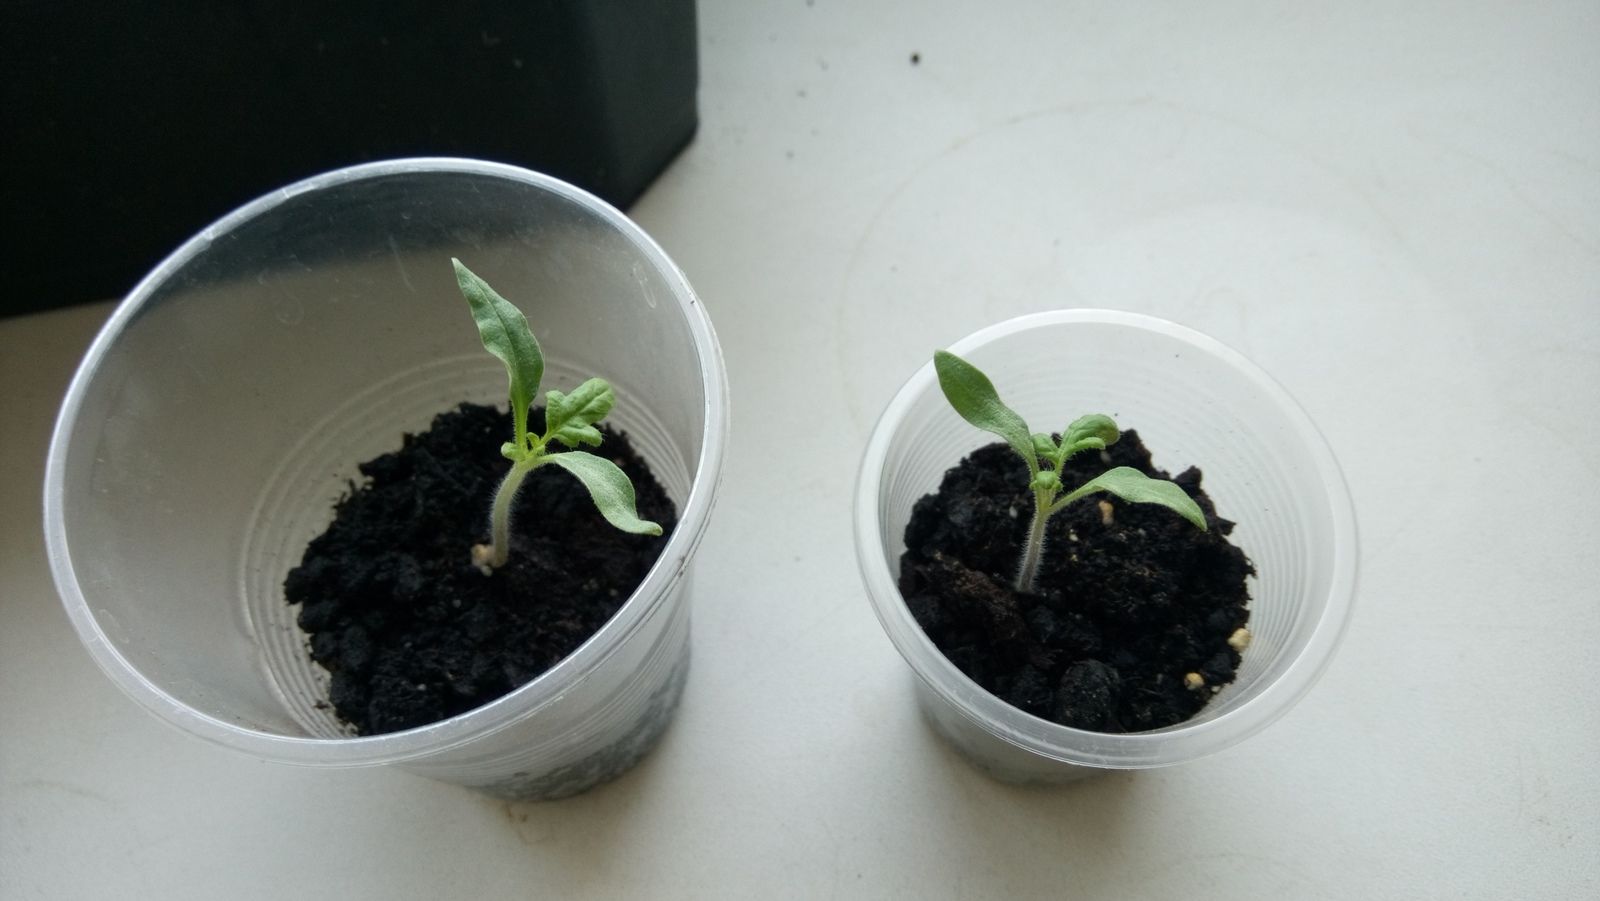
<point>973,396</point>
<point>1095,430</point>
<point>504,332</point>
<point>610,489</point>
<point>1047,480</point>
<point>570,418</point>
<point>1132,485</point>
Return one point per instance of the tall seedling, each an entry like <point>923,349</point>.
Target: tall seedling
<point>568,418</point>
<point>973,396</point>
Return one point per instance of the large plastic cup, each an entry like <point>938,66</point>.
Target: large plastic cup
<point>1193,402</point>
<point>226,404</point>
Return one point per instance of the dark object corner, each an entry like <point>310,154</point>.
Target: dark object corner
<point>130,126</point>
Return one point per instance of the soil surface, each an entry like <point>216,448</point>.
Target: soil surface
<point>411,631</point>
<point>1130,599</point>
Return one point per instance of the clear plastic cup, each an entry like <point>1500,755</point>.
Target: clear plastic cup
<point>1193,402</point>
<point>227,402</point>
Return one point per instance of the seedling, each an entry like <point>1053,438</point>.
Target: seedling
<point>974,397</point>
<point>568,419</point>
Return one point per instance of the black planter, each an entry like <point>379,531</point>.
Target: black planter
<point>129,126</point>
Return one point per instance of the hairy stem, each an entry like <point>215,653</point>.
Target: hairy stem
<point>1035,546</point>
<point>500,515</point>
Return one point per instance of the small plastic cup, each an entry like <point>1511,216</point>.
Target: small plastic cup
<point>1193,402</point>
<point>226,404</point>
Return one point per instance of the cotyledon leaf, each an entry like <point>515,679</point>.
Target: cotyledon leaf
<point>973,396</point>
<point>1132,485</point>
<point>505,333</point>
<point>610,489</point>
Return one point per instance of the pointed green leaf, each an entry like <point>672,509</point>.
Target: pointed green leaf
<point>1045,446</point>
<point>504,331</point>
<point>1132,485</point>
<point>610,489</point>
<point>569,418</point>
<point>973,396</point>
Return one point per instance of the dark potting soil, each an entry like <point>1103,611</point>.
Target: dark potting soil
<point>1130,599</point>
<point>411,631</point>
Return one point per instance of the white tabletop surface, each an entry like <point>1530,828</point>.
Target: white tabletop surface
<point>1394,208</point>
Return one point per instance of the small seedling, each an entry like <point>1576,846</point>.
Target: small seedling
<point>974,397</point>
<point>568,418</point>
